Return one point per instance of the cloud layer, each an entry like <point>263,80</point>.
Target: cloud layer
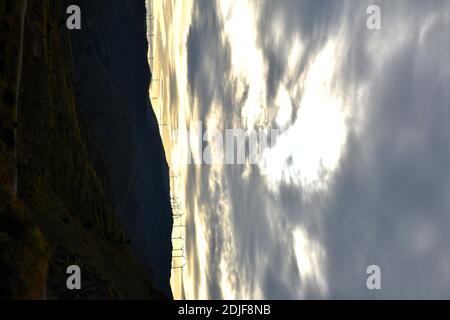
<point>256,232</point>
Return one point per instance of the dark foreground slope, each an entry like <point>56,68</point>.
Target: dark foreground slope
<point>112,79</point>
<point>62,213</point>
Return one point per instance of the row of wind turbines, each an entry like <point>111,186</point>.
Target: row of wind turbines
<point>179,259</point>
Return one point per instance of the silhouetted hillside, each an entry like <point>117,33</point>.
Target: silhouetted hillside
<point>112,79</point>
<point>70,189</point>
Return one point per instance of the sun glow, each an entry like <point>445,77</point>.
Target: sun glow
<point>311,147</point>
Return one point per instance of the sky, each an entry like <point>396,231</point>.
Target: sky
<point>358,175</point>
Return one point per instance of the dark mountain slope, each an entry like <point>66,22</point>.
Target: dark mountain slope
<point>63,213</point>
<point>112,79</point>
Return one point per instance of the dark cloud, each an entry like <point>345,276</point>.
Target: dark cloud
<point>312,22</point>
<point>208,55</point>
<point>389,202</point>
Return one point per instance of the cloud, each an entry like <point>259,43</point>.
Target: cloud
<point>389,203</point>
<point>208,55</point>
<point>386,201</point>
<point>228,208</point>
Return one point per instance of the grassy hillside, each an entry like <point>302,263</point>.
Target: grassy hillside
<point>61,215</point>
